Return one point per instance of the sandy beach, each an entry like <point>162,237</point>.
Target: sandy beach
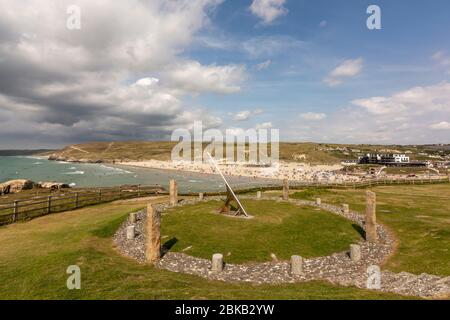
<point>284,170</point>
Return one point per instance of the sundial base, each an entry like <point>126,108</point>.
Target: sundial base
<point>233,214</point>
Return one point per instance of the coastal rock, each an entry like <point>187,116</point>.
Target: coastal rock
<point>59,157</point>
<point>56,157</point>
<point>15,186</point>
<point>53,185</point>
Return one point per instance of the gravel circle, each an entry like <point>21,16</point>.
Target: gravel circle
<point>337,268</point>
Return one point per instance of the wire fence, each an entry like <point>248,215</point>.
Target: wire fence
<point>26,208</point>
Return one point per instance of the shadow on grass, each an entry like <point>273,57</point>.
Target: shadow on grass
<point>167,246</point>
<point>360,230</point>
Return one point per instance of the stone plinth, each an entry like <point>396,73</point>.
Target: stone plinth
<point>173,192</point>
<point>345,208</point>
<point>296,265</point>
<point>285,189</point>
<point>371,218</point>
<point>217,263</point>
<point>355,252</point>
<point>153,229</point>
<point>131,233</point>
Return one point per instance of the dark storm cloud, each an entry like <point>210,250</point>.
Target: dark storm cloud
<point>59,86</point>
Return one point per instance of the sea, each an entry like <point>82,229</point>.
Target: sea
<point>105,175</point>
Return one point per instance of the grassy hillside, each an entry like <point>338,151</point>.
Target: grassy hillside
<point>36,254</point>
<point>275,225</point>
<point>313,153</point>
<point>419,217</point>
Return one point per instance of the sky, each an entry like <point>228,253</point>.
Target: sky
<point>138,70</point>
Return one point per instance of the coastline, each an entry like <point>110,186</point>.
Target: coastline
<point>292,171</point>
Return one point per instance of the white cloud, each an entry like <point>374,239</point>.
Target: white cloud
<point>410,116</point>
<point>264,46</point>
<point>268,10</point>
<point>242,116</point>
<point>312,116</point>
<point>77,83</point>
<point>441,58</point>
<point>444,125</point>
<point>247,114</point>
<point>416,100</point>
<point>263,65</point>
<point>265,125</point>
<point>194,77</point>
<point>257,47</point>
<point>347,69</point>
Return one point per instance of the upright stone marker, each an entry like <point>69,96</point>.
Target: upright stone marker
<point>355,252</point>
<point>371,217</point>
<point>296,265</point>
<point>173,192</point>
<point>285,189</point>
<point>217,263</point>
<point>201,196</point>
<point>133,217</point>
<point>131,233</point>
<point>258,195</point>
<point>153,250</point>
<point>318,201</point>
<point>345,208</point>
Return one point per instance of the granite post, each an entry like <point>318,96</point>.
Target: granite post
<point>371,218</point>
<point>173,192</point>
<point>153,228</point>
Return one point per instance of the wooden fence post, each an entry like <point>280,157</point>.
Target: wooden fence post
<point>139,191</point>
<point>76,200</point>
<point>49,204</point>
<point>100,195</point>
<point>16,210</point>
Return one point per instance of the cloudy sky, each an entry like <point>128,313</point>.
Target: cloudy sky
<point>139,69</point>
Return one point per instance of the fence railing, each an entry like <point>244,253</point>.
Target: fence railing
<point>376,182</point>
<point>29,207</point>
<point>26,208</point>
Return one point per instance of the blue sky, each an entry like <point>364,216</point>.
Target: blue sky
<point>396,58</point>
<point>138,70</point>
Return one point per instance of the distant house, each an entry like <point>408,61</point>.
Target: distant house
<point>384,159</point>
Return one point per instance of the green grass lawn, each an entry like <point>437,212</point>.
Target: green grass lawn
<point>419,216</point>
<point>280,228</point>
<point>34,257</point>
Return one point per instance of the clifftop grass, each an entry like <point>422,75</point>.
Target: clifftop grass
<point>313,153</point>
<point>35,255</point>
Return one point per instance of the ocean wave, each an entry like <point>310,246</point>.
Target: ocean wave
<point>74,172</point>
<point>73,184</point>
<point>37,163</point>
<point>118,170</point>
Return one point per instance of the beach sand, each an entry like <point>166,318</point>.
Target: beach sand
<point>283,170</point>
